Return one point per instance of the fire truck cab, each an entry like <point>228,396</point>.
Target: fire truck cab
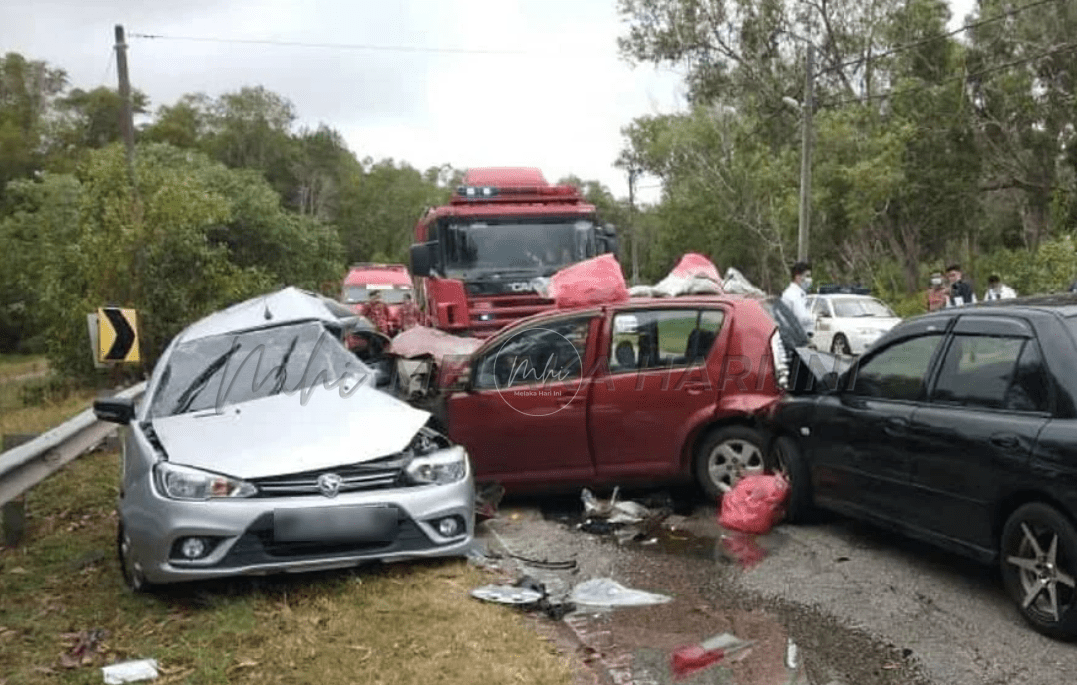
<point>476,260</point>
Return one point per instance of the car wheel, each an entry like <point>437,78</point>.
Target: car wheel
<point>786,459</point>
<point>840,345</point>
<point>1038,555</point>
<point>726,455</point>
<point>131,570</point>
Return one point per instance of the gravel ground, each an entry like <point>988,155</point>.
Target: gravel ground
<point>859,605</point>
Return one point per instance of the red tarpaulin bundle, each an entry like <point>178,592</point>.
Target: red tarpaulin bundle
<point>595,281</point>
<point>694,264</point>
<point>754,504</point>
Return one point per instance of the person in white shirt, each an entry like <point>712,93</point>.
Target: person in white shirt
<point>796,296</point>
<point>997,290</point>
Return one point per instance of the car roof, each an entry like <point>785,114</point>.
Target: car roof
<point>734,299</point>
<point>290,305</point>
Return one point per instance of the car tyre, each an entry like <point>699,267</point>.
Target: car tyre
<point>786,459</point>
<point>1038,558</point>
<point>727,454</point>
<point>840,345</point>
<point>133,577</point>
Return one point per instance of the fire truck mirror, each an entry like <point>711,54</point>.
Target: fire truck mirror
<point>422,258</point>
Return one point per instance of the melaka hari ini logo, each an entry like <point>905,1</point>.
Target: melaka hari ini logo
<point>539,384</point>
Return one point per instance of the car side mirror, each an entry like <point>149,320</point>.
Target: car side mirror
<point>115,410</point>
<point>422,258</point>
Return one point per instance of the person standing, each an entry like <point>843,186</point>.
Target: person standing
<point>997,290</point>
<point>377,312</point>
<point>409,313</point>
<point>795,296</point>
<point>936,293</point>
<point>960,292</point>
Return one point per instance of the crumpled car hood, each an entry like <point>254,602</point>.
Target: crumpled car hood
<point>281,434</point>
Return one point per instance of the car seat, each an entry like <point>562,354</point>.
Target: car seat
<point>699,344</point>
<point>625,355</point>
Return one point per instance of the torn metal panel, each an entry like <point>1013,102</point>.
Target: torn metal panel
<point>431,342</point>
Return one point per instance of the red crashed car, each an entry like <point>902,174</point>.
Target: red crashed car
<point>643,391</point>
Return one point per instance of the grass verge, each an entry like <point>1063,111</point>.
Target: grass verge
<point>385,624</point>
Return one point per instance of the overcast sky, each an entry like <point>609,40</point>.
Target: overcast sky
<point>549,91</point>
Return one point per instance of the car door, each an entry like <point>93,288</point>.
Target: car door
<point>860,456</point>
<point>975,435</point>
<point>523,419</point>
<point>642,408</point>
<point>824,323</point>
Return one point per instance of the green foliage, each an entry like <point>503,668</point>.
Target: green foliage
<point>1051,268</point>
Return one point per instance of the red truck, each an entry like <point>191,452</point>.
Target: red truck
<point>392,280</point>
<point>476,259</point>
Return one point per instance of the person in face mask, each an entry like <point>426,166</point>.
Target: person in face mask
<point>796,296</point>
<point>936,293</point>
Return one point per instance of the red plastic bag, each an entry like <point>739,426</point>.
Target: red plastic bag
<point>694,264</point>
<point>595,281</point>
<point>744,549</point>
<point>754,504</point>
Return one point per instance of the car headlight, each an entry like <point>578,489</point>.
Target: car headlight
<point>438,468</point>
<point>183,482</point>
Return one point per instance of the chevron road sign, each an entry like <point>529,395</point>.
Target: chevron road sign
<point>118,335</point>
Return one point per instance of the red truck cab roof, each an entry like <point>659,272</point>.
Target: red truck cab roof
<point>380,274</point>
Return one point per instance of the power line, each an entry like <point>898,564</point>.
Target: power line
<point>942,36</point>
<point>108,65</point>
<point>331,46</point>
<point>1064,47</point>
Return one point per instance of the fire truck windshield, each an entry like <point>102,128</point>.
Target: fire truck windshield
<point>475,248</point>
<point>358,293</point>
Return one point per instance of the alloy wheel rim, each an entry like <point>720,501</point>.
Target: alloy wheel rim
<point>731,460</point>
<point>1046,587</point>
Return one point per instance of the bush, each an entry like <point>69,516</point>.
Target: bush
<point>51,389</point>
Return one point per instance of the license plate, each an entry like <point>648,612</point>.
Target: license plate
<point>346,524</point>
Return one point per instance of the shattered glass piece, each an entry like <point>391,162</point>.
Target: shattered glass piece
<point>605,592</point>
<point>506,594</point>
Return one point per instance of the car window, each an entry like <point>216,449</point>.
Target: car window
<point>994,372</point>
<point>646,339</point>
<point>549,352</point>
<point>855,307</point>
<point>898,371</point>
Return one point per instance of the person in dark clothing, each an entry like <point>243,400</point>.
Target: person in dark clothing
<point>960,292</point>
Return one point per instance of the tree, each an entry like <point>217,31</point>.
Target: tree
<point>28,90</point>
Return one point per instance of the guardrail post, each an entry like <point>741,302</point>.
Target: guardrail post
<point>13,513</point>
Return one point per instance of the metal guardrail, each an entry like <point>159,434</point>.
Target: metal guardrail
<point>27,465</point>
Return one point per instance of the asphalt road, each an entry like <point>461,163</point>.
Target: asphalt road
<point>831,603</point>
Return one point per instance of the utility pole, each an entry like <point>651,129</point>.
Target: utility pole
<point>805,155</point>
<point>127,123</point>
<point>632,173</point>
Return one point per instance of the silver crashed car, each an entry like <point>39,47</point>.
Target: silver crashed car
<point>263,445</point>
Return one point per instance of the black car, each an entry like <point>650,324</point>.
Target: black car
<point>959,428</point>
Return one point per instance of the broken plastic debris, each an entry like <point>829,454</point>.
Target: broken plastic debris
<point>792,654</point>
<point>130,671</point>
<point>605,592</point>
<point>506,594</point>
<point>694,658</point>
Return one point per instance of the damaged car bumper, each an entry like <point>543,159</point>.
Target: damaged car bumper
<point>278,530</point>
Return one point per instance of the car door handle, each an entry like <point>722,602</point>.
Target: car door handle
<point>695,388</point>
<point>895,426</point>
<point>1005,441</point>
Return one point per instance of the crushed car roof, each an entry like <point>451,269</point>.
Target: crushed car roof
<point>284,306</point>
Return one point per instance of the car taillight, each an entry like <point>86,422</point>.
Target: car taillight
<point>781,362</point>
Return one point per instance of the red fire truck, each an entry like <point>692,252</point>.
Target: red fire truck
<point>391,281</point>
<point>476,259</point>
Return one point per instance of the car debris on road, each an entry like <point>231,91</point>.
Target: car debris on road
<point>690,659</point>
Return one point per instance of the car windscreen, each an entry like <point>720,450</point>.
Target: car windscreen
<point>851,307</point>
<point>531,246</point>
<point>360,293</point>
<point>225,369</point>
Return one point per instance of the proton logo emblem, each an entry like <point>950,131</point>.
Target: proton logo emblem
<point>329,484</point>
